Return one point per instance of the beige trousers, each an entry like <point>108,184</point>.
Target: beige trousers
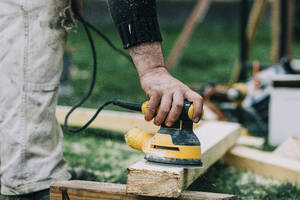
<point>32,36</point>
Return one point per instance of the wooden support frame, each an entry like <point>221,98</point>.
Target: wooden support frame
<point>290,28</point>
<point>276,26</point>
<point>196,16</point>
<point>254,20</point>
<point>87,190</point>
<point>266,164</point>
<point>143,177</point>
<point>275,14</point>
<point>256,14</point>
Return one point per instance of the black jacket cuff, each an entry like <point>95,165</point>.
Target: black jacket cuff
<point>137,31</point>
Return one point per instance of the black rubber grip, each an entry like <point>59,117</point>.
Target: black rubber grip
<point>128,105</point>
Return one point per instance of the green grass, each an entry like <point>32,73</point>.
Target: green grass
<point>96,150</point>
<point>246,185</point>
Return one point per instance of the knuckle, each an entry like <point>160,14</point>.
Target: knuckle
<point>178,105</point>
<point>164,110</point>
<point>157,122</point>
<point>153,93</point>
<point>198,98</point>
<point>156,92</point>
<point>148,117</point>
<point>151,110</point>
<point>171,119</point>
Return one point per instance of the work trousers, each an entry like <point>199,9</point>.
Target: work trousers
<point>32,37</point>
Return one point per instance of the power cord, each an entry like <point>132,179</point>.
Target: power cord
<point>133,106</point>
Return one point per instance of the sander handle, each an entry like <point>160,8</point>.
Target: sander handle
<point>188,108</point>
<point>186,114</point>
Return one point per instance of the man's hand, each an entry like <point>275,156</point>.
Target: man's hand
<point>77,5</point>
<point>164,91</point>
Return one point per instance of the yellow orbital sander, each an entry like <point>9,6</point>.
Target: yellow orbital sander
<point>176,145</point>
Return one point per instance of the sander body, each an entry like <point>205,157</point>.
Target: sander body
<point>176,145</point>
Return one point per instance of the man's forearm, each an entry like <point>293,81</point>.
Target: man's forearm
<point>147,56</point>
<point>136,21</point>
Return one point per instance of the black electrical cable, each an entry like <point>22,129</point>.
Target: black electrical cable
<point>105,38</point>
<point>86,26</point>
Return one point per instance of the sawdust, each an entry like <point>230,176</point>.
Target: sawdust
<point>248,177</point>
<point>77,147</point>
<point>252,183</point>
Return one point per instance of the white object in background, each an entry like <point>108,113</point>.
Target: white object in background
<point>284,110</point>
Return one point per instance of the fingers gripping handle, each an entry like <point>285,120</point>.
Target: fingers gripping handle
<point>189,108</point>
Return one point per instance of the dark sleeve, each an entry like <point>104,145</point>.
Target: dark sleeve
<point>136,21</point>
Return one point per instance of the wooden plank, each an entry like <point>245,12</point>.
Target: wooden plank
<point>251,141</point>
<point>289,149</point>
<point>114,120</point>
<point>150,179</point>
<point>96,190</point>
<point>111,120</point>
<point>265,164</point>
<point>196,16</point>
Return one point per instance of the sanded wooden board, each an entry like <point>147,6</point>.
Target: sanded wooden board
<point>150,179</point>
<point>263,163</point>
<point>87,190</point>
<point>113,120</point>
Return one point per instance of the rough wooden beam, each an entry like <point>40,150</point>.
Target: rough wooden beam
<point>197,15</point>
<point>87,190</point>
<point>265,164</point>
<point>113,120</point>
<point>151,179</point>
